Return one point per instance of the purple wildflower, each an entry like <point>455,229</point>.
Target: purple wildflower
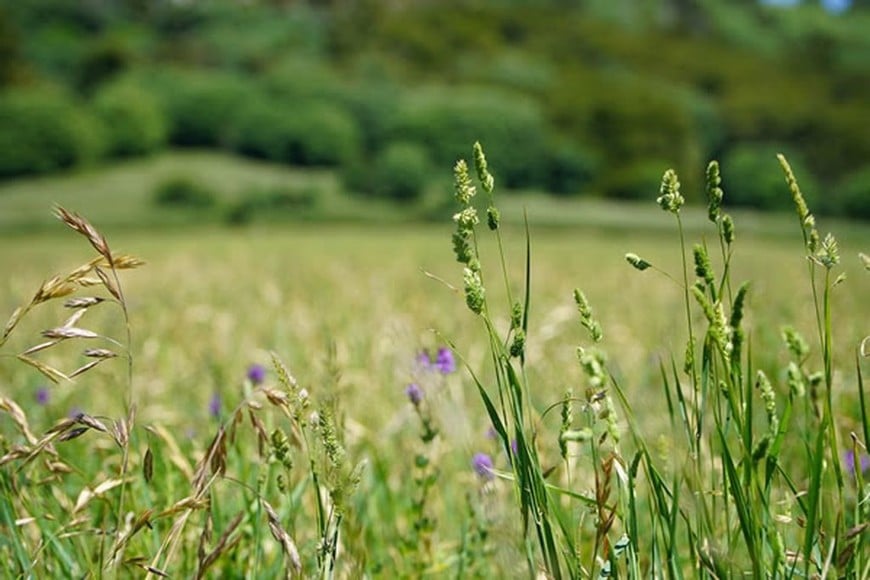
<point>256,374</point>
<point>423,360</point>
<point>444,361</point>
<point>482,464</point>
<point>214,405</point>
<point>415,393</point>
<point>515,449</point>
<point>849,464</point>
<point>42,396</point>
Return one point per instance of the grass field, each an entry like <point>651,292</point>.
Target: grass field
<point>348,308</point>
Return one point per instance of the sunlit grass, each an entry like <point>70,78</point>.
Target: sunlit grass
<point>348,309</point>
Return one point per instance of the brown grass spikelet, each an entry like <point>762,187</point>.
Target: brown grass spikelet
<point>50,372</point>
<point>185,504</point>
<point>14,453</point>
<point>87,494</point>
<point>84,227</point>
<point>83,302</point>
<point>64,332</point>
<point>55,287</point>
<point>39,347</point>
<point>18,417</point>
<point>283,538</point>
<point>225,542</point>
<point>260,428</point>
<point>121,262</point>
<point>92,422</point>
<point>99,353</point>
<point>71,434</point>
<point>108,283</point>
<point>215,457</point>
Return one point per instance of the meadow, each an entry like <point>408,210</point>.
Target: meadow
<point>275,430</point>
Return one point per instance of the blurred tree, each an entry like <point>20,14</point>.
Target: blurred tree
<point>12,64</point>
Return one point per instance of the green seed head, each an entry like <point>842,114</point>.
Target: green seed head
<point>829,254</point>
<point>738,306</point>
<point>466,219</point>
<point>519,343</point>
<point>492,217</point>
<point>516,316</point>
<point>728,229</point>
<point>703,266</point>
<point>637,262</point>
<point>462,246</point>
<point>483,174</point>
<point>798,197</point>
<point>796,343</point>
<point>671,199</point>
<point>714,192</point>
<point>474,292</point>
<point>463,188</point>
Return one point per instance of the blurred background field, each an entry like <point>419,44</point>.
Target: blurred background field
<point>580,100</point>
<point>208,305</point>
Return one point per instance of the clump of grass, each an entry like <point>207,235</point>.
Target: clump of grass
<point>752,481</point>
<point>72,505</point>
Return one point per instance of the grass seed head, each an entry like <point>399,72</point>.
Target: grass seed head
<point>637,262</point>
<point>714,192</point>
<point>463,188</point>
<point>670,198</point>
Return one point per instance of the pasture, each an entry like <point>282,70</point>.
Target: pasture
<point>348,309</point>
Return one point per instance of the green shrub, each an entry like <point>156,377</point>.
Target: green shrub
<point>42,131</point>
<point>184,193</point>
<point>570,168</point>
<point>373,104</point>
<point>853,194</point>
<point>446,120</point>
<point>271,202</point>
<point>296,79</point>
<point>134,121</point>
<point>753,180</point>
<point>402,171</point>
<point>304,133</point>
<point>200,105</point>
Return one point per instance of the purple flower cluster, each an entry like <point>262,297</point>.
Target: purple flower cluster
<point>214,406</point>
<point>256,374</point>
<point>482,464</point>
<point>42,396</point>
<point>444,362</point>
<point>851,464</point>
<point>414,393</point>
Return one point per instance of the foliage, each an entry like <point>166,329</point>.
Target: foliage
<point>199,104</point>
<point>300,133</point>
<point>135,124</point>
<point>399,172</point>
<point>444,119</point>
<point>271,202</point>
<point>42,130</point>
<point>618,83</point>
<point>183,193</point>
<point>854,194</point>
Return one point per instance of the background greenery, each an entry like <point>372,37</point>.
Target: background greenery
<point>574,98</point>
